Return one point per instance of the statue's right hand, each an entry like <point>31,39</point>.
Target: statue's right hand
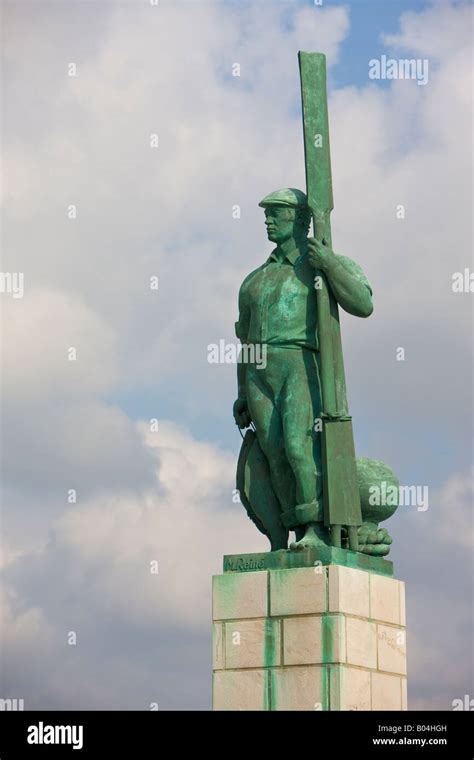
<point>241,413</point>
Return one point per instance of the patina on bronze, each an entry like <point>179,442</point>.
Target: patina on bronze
<point>297,468</point>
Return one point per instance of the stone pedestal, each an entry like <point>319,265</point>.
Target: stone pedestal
<point>323,637</point>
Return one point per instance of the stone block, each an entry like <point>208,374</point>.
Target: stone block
<point>298,592</point>
<point>217,646</point>
<point>401,587</point>
<point>349,688</point>
<point>252,643</point>
<point>391,649</point>
<point>361,642</point>
<point>240,690</point>
<point>313,639</point>
<point>348,591</point>
<point>303,689</point>
<point>239,595</point>
<point>386,692</point>
<point>404,694</point>
<point>385,599</point>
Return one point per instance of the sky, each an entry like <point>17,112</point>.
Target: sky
<point>402,175</point>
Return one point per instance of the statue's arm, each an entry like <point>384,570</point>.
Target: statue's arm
<point>241,380</point>
<point>241,412</point>
<point>348,283</point>
<point>351,289</point>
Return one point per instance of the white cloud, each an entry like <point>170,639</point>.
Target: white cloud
<point>39,332</point>
<point>95,567</point>
<point>61,433</point>
<point>439,31</point>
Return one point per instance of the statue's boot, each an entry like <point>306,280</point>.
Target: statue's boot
<point>315,536</point>
<point>300,530</point>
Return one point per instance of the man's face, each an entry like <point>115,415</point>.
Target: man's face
<point>280,223</point>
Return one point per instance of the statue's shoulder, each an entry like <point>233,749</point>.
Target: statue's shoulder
<point>252,275</point>
<point>354,268</point>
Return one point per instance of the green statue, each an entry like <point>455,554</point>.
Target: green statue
<point>297,468</point>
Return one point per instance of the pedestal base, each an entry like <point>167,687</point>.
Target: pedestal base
<point>284,559</point>
<point>326,637</point>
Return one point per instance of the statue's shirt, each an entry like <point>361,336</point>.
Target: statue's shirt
<point>277,302</point>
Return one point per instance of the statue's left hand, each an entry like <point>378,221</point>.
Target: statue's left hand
<point>320,254</point>
<point>241,413</point>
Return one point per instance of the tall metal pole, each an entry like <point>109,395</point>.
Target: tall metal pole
<point>340,487</point>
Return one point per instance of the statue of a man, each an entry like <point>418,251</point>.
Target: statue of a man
<point>282,396</point>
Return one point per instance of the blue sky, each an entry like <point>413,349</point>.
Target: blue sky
<point>368,20</point>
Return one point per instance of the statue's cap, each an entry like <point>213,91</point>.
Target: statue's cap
<point>288,196</point>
